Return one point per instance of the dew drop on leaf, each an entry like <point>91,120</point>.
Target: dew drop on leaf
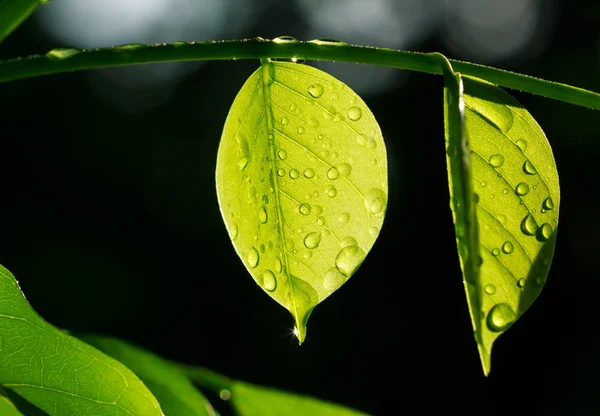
<point>521,282</point>
<point>253,257</point>
<point>508,247</point>
<point>284,120</point>
<point>548,204</point>
<point>304,208</point>
<point>348,259</point>
<point>522,189</point>
<point>343,218</point>
<point>269,281</point>
<point>500,317</point>
<point>301,130</point>
<point>281,172</point>
<point>309,173</point>
<point>316,90</point>
<point>333,279</point>
<point>262,215</point>
<point>278,266</point>
<point>345,169</point>
<point>544,232</point>
<point>333,174</point>
<point>490,289</point>
<point>495,252</point>
<point>331,191</point>
<point>348,241</point>
<point>282,154</point>
<point>312,240</point>
<point>375,200</point>
<point>354,113</point>
<point>528,225</point>
<point>497,160</point>
<point>528,168</point>
<point>234,231</point>
<point>522,143</point>
<point>294,174</point>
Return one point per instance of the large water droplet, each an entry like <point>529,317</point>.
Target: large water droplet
<point>528,225</point>
<point>268,281</point>
<point>253,257</point>
<point>548,204</point>
<point>294,174</point>
<point>348,241</point>
<point>490,289</point>
<point>497,160</point>
<point>508,247</point>
<point>522,189</point>
<point>63,53</point>
<point>304,208</point>
<point>309,173</point>
<point>344,169</point>
<point>262,215</point>
<point>312,240</point>
<point>333,174</point>
<point>282,154</point>
<point>316,90</point>
<point>331,191</point>
<point>522,144</point>
<point>528,168</point>
<point>375,200</point>
<point>544,232</point>
<point>285,39</point>
<point>500,317</point>
<point>354,113</point>
<point>348,259</point>
<point>333,279</point>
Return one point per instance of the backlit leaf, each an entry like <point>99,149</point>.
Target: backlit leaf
<point>505,199</point>
<point>301,182</point>
<point>60,374</point>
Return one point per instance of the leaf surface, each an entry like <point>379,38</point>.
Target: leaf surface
<point>60,374</point>
<point>504,198</point>
<point>14,12</point>
<point>302,183</point>
<point>175,393</point>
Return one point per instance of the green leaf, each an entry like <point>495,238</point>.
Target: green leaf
<point>14,12</point>
<point>175,393</point>
<point>60,374</point>
<point>7,408</point>
<point>301,182</point>
<point>504,198</point>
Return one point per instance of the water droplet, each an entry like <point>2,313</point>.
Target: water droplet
<point>282,154</point>
<point>490,289</point>
<point>301,130</point>
<point>348,259</point>
<point>262,248</point>
<point>293,106</point>
<point>312,240</point>
<point>521,282</point>
<point>281,172</point>
<point>528,168</point>
<point>278,265</point>
<point>234,232</point>
<point>294,174</point>
<point>495,252</point>
<point>333,174</point>
<point>327,42</point>
<point>64,53</point>
<point>502,218</point>
<point>262,215</point>
<point>253,257</point>
<point>361,140</point>
<point>334,154</point>
<point>371,142</point>
<point>522,189</point>
<point>348,241</point>
<point>316,194</point>
<point>483,184</point>
<point>316,210</point>
<point>374,231</point>
<point>321,220</point>
<point>270,136</point>
<point>375,200</point>
<point>304,208</point>
<point>242,163</point>
<point>265,199</point>
<point>505,191</point>
<point>316,90</point>
<point>497,160</point>
<point>548,204</point>
<point>307,254</point>
<point>500,317</point>
<point>508,247</point>
<point>269,281</point>
<point>540,280</point>
<point>528,225</point>
<point>285,39</point>
<point>331,191</point>
<point>544,232</point>
<point>522,144</point>
<point>343,218</point>
<point>344,169</point>
<point>354,113</point>
<point>333,279</point>
<point>284,120</point>
<point>309,173</point>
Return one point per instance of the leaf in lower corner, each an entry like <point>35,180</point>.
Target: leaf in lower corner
<point>302,183</point>
<point>505,200</point>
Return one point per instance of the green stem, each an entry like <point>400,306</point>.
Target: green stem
<point>64,60</point>
<point>14,12</point>
<point>206,378</point>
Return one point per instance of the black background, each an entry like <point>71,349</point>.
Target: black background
<point>110,222</point>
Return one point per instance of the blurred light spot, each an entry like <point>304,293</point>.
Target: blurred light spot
<point>382,23</point>
<point>225,394</point>
<point>490,30</point>
<point>102,23</point>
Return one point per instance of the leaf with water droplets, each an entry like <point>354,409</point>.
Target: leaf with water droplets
<point>505,197</point>
<point>302,171</point>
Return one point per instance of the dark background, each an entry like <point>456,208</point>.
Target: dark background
<point>110,220</point>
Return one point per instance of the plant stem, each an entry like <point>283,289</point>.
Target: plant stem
<point>204,377</point>
<point>64,60</point>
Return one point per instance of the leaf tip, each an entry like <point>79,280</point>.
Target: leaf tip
<point>486,359</point>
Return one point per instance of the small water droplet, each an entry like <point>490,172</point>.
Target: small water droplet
<point>354,113</point>
<point>333,174</point>
<point>301,130</point>
<point>281,172</point>
<point>521,282</point>
<point>502,218</point>
<point>304,208</point>
<point>242,163</point>
<point>294,174</point>
<point>312,240</point>
<point>262,215</point>
<point>497,160</point>
<point>483,184</point>
<point>331,191</point>
<point>317,210</point>
<point>278,265</point>
<point>262,248</point>
<point>345,169</point>
<point>327,42</point>
<point>321,220</point>
<point>285,39</point>
<point>500,317</point>
<point>548,204</point>
<point>495,252</point>
<point>528,225</point>
<point>309,173</point>
<point>544,232</point>
<point>269,281</point>
<point>282,154</point>
<point>293,106</point>
<point>334,154</point>
<point>234,232</point>
<point>374,231</point>
<point>316,90</point>
<point>333,279</point>
<point>528,168</point>
<point>348,259</point>
<point>490,289</point>
<point>540,280</point>
<point>316,194</point>
<point>375,200</point>
<point>522,189</point>
<point>253,257</point>
<point>371,142</point>
<point>361,140</point>
<point>505,191</point>
<point>270,136</point>
<point>343,218</point>
<point>508,247</point>
<point>307,254</point>
<point>522,144</point>
<point>284,120</point>
<point>348,241</point>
